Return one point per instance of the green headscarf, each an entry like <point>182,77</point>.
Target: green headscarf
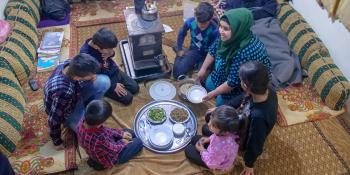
<point>240,21</point>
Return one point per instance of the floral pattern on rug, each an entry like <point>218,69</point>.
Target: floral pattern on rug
<point>35,153</point>
<point>301,103</point>
<point>32,166</point>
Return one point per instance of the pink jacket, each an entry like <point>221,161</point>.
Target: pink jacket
<point>221,152</point>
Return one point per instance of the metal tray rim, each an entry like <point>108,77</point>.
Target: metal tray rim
<point>152,103</point>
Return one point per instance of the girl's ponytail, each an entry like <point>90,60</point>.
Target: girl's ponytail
<point>242,132</point>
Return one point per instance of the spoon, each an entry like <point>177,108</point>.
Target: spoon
<point>143,126</point>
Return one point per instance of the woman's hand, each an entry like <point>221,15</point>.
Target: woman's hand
<point>209,96</point>
<point>201,75</point>
<point>120,90</point>
<point>247,171</point>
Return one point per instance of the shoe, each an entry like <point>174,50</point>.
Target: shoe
<point>93,164</point>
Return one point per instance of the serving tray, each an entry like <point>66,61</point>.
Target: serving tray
<point>142,126</point>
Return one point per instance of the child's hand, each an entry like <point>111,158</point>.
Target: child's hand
<point>247,171</point>
<point>126,141</point>
<point>180,53</point>
<point>204,140</point>
<point>127,135</point>
<point>199,146</point>
<point>120,90</point>
<point>59,147</point>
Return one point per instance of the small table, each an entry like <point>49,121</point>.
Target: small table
<point>142,127</point>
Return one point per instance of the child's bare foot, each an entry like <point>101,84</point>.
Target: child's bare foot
<point>59,147</point>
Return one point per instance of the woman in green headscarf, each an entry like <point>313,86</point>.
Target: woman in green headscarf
<point>235,46</point>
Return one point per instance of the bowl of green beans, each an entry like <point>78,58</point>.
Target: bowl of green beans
<point>156,115</point>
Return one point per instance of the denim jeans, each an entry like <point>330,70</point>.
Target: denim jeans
<point>209,85</point>
<point>131,88</point>
<point>93,91</point>
<point>192,59</point>
<point>131,149</point>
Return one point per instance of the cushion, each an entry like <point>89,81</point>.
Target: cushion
<point>12,104</point>
<point>31,7</point>
<point>328,80</point>
<point>302,38</point>
<point>20,49</point>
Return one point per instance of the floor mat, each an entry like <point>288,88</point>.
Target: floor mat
<point>301,103</point>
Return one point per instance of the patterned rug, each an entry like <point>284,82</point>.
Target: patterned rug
<point>35,151</point>
<point>316,147</point>
<point>301,103</point>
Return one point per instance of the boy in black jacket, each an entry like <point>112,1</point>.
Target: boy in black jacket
<point>101,46</point>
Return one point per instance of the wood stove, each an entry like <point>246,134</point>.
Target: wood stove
<point>144,44</point>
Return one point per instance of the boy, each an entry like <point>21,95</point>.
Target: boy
<point>203,33</point>
<point>70,86</point>
<point>101,46</point>
<point>105,146</point>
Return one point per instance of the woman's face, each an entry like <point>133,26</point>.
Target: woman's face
<point>225,31</point>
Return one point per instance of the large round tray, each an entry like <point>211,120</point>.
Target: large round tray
<point>142,127</point>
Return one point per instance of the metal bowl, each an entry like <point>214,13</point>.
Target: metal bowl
<point>196,93</point>
<point>185,83</point>
<point>153,121</point>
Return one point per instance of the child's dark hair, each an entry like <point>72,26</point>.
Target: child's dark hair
<point>83,65</point>
<point>255,75</point>
<point>97,112</point>
<point>204,12</point>
<point>105,39</point>
<point>226,119</point>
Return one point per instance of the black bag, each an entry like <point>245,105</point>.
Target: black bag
<point>55,9</point>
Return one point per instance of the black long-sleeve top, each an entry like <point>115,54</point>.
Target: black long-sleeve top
<point>262,118</point>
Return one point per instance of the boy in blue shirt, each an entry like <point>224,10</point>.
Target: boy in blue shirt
<point>203,33</point>
<point>101,46</point>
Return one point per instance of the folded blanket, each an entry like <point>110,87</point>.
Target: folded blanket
<point>286,67</point>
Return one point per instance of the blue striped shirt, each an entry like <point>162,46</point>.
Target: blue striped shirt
<point>200,39</point>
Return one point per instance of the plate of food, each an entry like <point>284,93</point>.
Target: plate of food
<point>179,115</point>
<point>156,115</point>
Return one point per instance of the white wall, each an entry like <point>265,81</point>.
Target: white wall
<point>334,35</point>
<point>2,8</point>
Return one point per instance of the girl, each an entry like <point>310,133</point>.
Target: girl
<point>226,126</point>
<point>259,104</point>
<point>236,45</point>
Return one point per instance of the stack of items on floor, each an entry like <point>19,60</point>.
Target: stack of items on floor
<point>49,51</point>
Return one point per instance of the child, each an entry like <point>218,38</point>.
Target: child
<point>105,146</point>
<point>72,85</point>
<point>101,46</point>
<point>203,33</point>
<point>225,126</point>
<point>259,103</point>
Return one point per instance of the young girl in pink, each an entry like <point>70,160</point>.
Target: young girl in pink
<point>218,151</point>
